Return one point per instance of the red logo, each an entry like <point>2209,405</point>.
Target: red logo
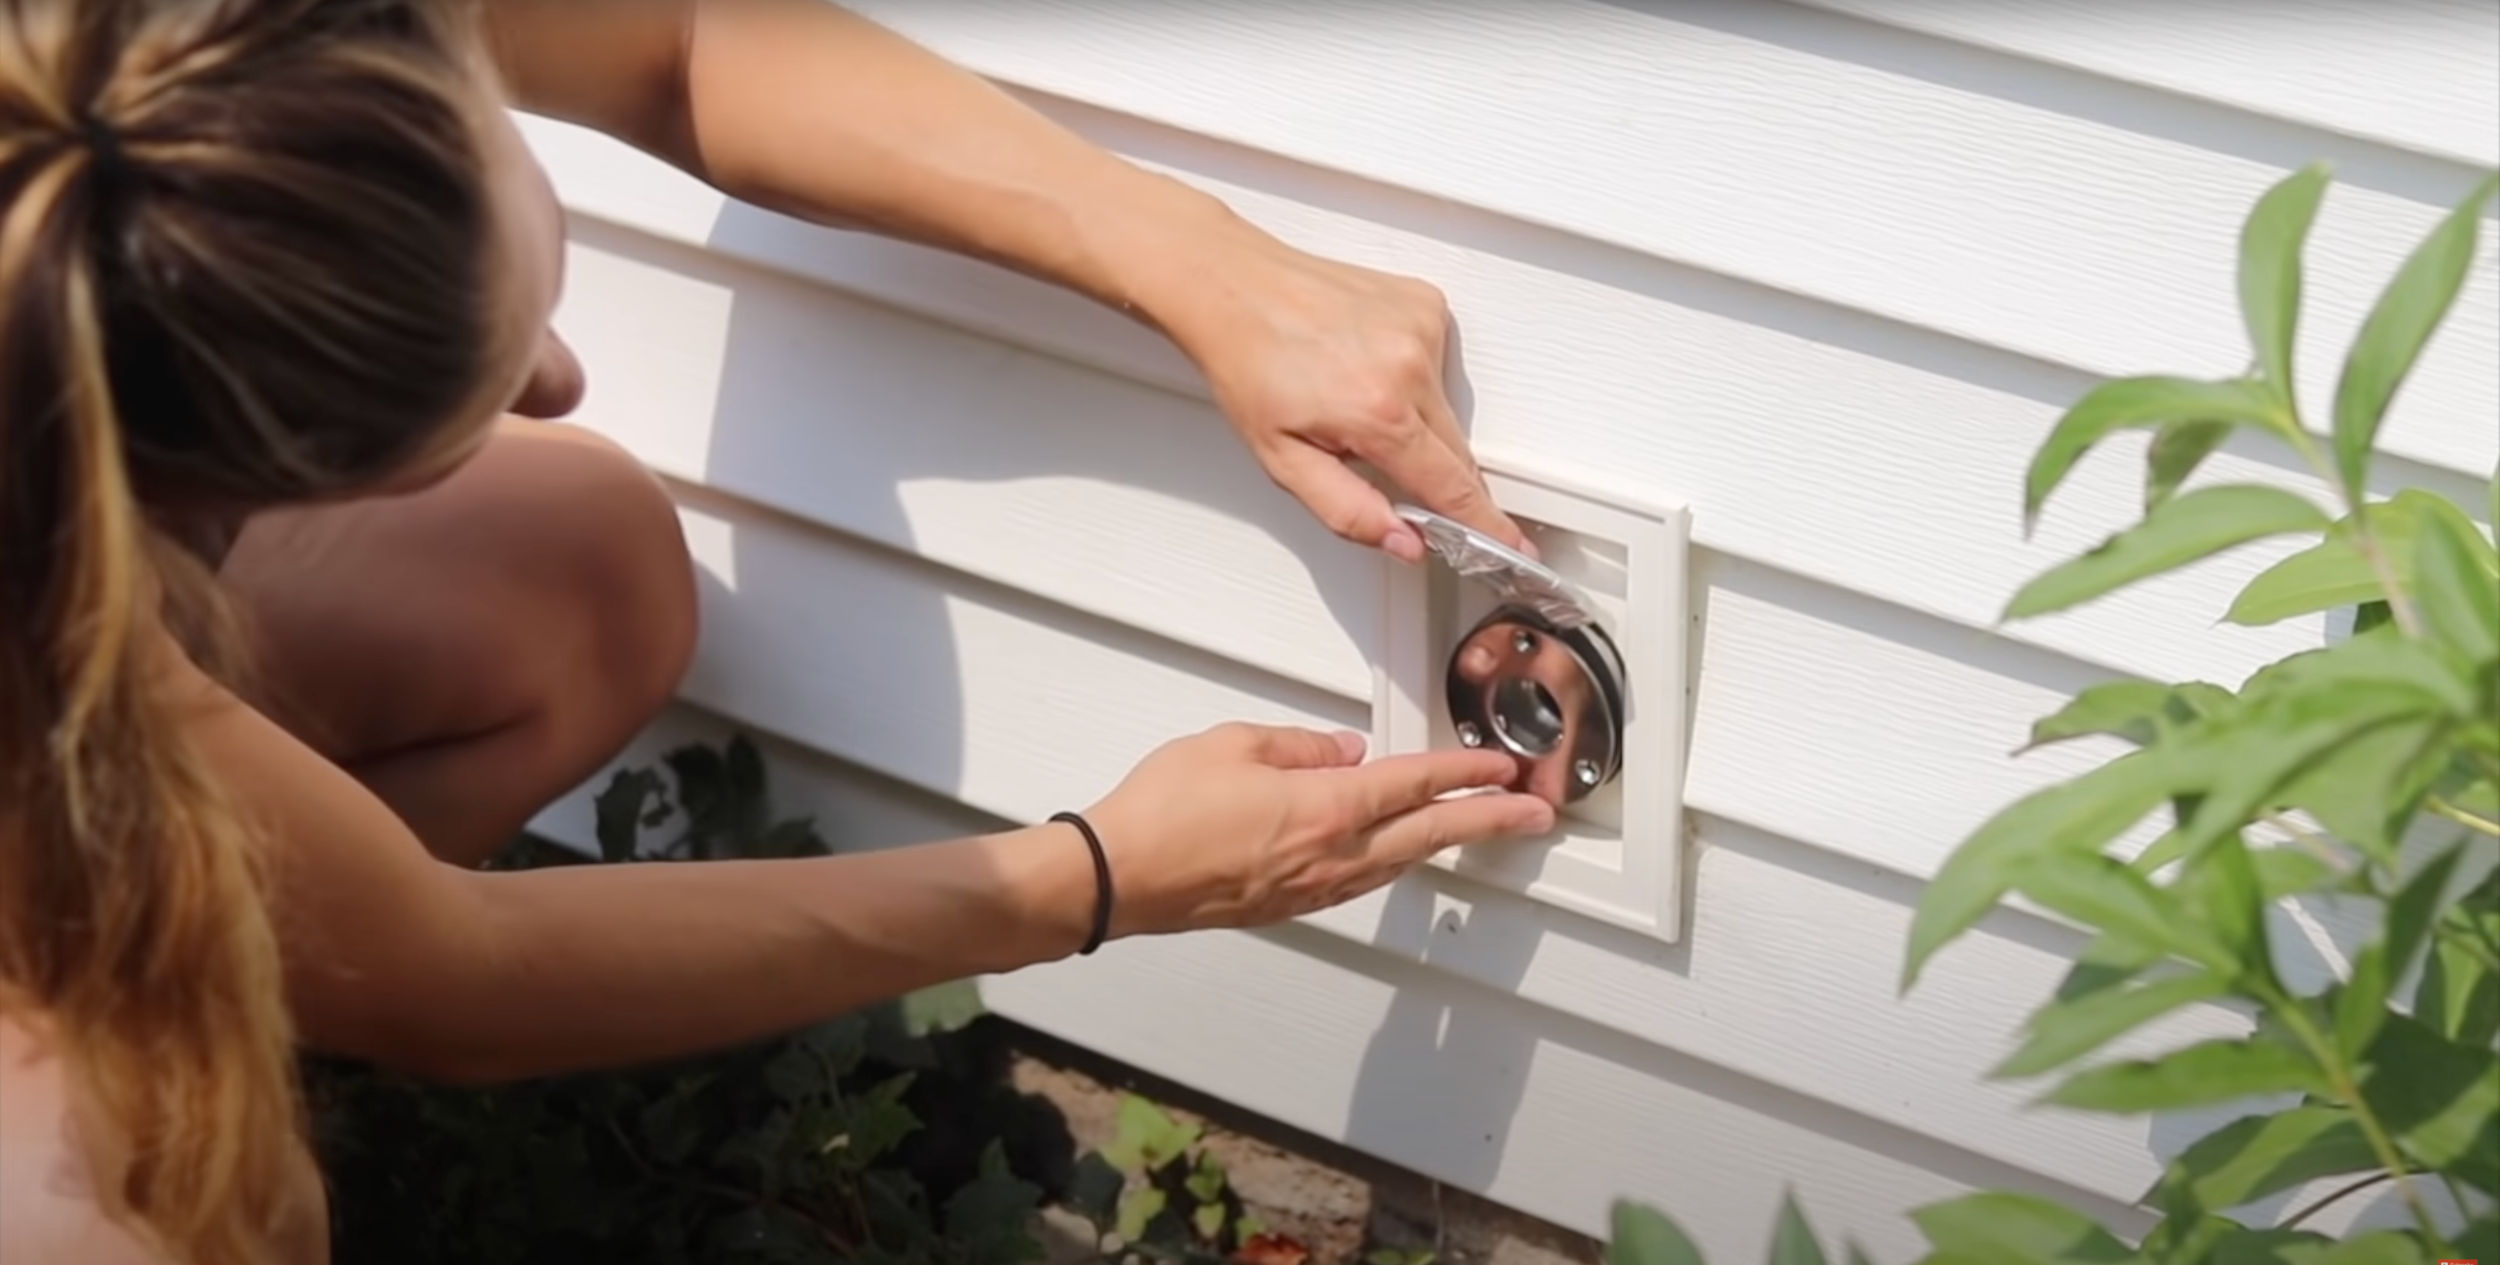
<point>2449,1261</point>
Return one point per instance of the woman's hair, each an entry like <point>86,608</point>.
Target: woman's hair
<point>243,258</point>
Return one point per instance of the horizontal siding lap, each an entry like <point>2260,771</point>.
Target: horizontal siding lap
<point>958,687</point>
<point>1063,481</point>
<point>2420,74</point>
<point>1697,133</point>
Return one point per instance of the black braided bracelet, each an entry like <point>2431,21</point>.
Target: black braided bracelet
<point>1102,881</point>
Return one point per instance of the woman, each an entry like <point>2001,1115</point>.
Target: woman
<point>303,623</point>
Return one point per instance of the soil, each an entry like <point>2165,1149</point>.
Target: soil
<point>1339,1204</point>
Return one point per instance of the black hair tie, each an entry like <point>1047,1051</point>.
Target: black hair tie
<point>1102,881</point>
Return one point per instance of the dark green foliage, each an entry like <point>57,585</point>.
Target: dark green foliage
<point>888,1136</point>
<point>1156,1191</point>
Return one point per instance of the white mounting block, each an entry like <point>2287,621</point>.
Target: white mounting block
<point>1616,855</point>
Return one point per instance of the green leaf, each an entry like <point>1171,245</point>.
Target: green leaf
<point>2334,573</point>
<point>2441,1101</point>
<point>794,838</point>
<point>948,1007</point>
<point>618,812</point>
<point>2272,744</point>
<point>2103,893</point>
<point>2124,709</point>
<point>1794,1243</point>
<point>2078,816</point>
<point>2219,888</point>
<point>2108,962</point>
<point>2458,996</point>
<point>2325,576</point>
<point>772,1235</point>
<point>2240,1246</point>
<point>2458,587</point>
<point>2270,269</point>
<point>1138,1211</point>
<point>671,1128</point>
<point>877,1122</point>
<point>744,766</point>
<point>1644,1236</point>
<point>797,1072</point>
<point>1206,1182</point>
<point>2408,311</point>
<point>2185,1235</point>
<point>2361,1004</point>
<point>2193,527</point>
<point>2010,1229</point>
<point>2480,1239</point>
<point>2170,846</point>
<point>2140,712</point>
<point>1208,1221</point>
<point>1148,1137</point>
<point>2123,403</point>
<point>2385,1247</point>
<point>2366,790</point>
<point>2201,1075</point>
<point>2178,448</point>
<point>2255,1156</point>
<point>2386,658</point>
<point>1094,1189</point>
<point>2290,871</point>
<point>2064,1031</point>
<point>988,1218</point>
<point>2463,784</point>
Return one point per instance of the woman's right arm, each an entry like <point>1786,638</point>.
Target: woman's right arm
<point>493,975</point>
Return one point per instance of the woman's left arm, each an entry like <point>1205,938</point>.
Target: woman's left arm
<point>805,108</point>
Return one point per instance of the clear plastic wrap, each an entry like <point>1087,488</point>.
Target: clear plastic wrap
<point>1517,578</point>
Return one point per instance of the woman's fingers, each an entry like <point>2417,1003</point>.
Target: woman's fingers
<point>1344,502</point>
<point>1284,747</point>
<point>1417,457</point>
<point>1417,836</point>
<point>1392,785</point>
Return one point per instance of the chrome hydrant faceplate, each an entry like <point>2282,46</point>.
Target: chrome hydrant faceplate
<point>1538,678</point>
<point>1551,697</point>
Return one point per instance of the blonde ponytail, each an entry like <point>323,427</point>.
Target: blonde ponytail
<point>162,349</point>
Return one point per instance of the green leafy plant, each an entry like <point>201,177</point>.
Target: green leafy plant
<point>1155,1192</point>
<point>887,1136</point>
<point>2366,772</point>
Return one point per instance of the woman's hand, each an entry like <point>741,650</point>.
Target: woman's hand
<point>1318,362</point>
<point>1247,825</point>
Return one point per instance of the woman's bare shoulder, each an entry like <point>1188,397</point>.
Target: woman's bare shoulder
<point>48,1174</point>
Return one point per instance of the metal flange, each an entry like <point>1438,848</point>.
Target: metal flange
<point>1538,678</point>
<point>1551,697</point>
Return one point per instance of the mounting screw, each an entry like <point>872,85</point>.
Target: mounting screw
<point>1586,771</point>
<point>1523,641</point>
<point>1469,735</point>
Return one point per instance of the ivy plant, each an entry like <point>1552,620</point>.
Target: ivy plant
<point>887,1136</point>
<point>1153,1191</point>
<point>2365,772</point>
